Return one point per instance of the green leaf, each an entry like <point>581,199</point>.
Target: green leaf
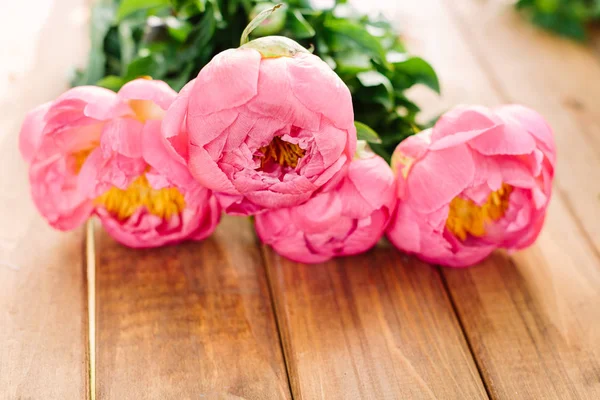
<point>359,35</point>
<point>366,133</point>
<point>152,65</point>
<point>353,62</point>
<point>178,29</point>
<point>372,79</point>
<point>111,82</point>
<point>101,20</point>
<point>299,26</point>
<point>216,11</point>
<point>419,70</point>
<point>174,41</point>
<point>127,44</point>
<point>256,21</point>
<point>180,5</point>
<point>130,6</point>
<point>179,81</point>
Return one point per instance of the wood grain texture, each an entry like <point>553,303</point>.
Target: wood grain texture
<point>42,288</point>
<point>532,319</point>
<point>374,326</point>
<point>190,321</point>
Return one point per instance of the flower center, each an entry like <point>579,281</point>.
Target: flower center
<point>281,152</point>
<point>124,203</point>
<point>467,218</point>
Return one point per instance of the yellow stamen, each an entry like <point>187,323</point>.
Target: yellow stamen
<point>145,110</point>
<point>80,156</point>
<point>467,218</point>
<point>283,153</point>
<point>124,203</point>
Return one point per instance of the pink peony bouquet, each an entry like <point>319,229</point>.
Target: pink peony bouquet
<point>268,130</point>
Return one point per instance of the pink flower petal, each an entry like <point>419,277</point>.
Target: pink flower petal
<point>317,87</point>
<point>508,139</point>
<point>123,136</point>
<point>32,131</point>
<point>458,172</point>
<point>229,80</point>
<point>156,91</point>
<point>463,119</point>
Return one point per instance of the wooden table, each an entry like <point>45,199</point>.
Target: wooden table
<point>229,319</point>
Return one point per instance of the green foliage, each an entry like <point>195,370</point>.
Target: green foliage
<point>565,17</point>
<point>364,132</point>
<point>172,40</point>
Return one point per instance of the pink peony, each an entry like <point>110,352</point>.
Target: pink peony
<point>140,184</point>
<point>55,139</point>
<point>265,132</point>
<point>347,217</point>
<point>479,180</point>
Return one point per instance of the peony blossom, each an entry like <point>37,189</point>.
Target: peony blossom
<point>481,179</point>
<point>55,140</point>
<point>141,187</point>
<point>265,132</point>
<point>347,217</point>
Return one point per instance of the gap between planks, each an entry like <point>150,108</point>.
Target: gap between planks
<point>263,249</point>
<point>464,331</point>
<point>90,285</point>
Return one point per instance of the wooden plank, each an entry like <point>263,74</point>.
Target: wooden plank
<point>43,333</point>
<point>187,321</point>
<point>532,319</point>
<point>374,326</point>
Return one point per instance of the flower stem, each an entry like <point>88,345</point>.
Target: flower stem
<point>256,22</point>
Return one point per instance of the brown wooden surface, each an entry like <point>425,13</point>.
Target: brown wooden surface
<point>43,331</point>
<point>374,326</point>
<point>187,321</point>
<point>214,319</point>
<point>533,320</point>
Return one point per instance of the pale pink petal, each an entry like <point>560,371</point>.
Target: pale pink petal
<point>535,124</point>
<point>123,136</point>
<point>374,179</point>
<point>458,172</point>
<point>505,139</point>
<point>159,153</point>
<point>317,214</point>
<point>317,87</point>
<point>404,230</point>
<point>229,80</point>
<point>275,97</point>
<point>97,103</point>
<point>367,235</point>
<point>32,131</point>
<point>159,92</point>
<point>207,173</point>
<point>174,121</point>
<point>463,119</point>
